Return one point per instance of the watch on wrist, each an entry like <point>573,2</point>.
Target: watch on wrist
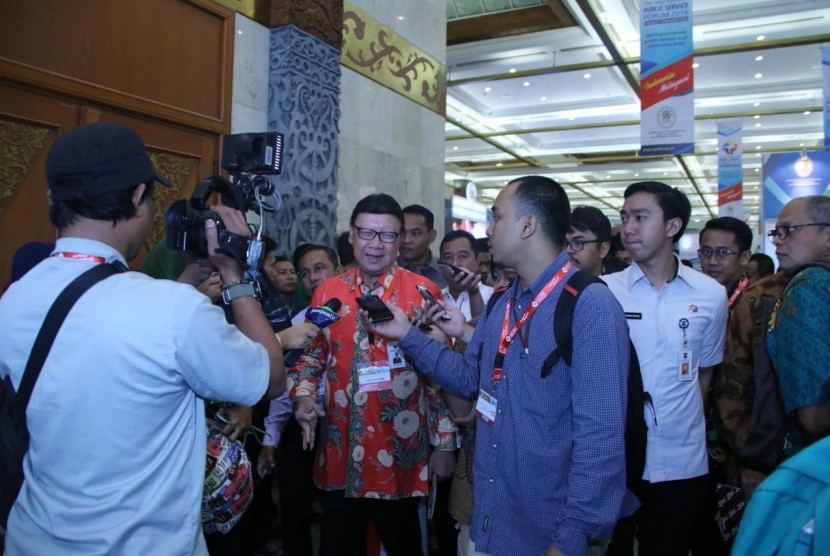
<point>240,289</point>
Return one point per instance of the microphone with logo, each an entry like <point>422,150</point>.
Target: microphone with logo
<point>322,317</point>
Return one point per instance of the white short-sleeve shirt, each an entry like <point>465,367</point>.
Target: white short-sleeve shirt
<point>676,331</point>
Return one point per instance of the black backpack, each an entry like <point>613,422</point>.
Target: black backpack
<point>636,431</point>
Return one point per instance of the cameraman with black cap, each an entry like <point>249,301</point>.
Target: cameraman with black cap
<point>116,460</point>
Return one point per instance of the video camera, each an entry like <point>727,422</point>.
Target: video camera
<point>248,158</point>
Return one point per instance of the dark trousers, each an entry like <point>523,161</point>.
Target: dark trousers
<point>446,535</point>
<point>344,521</point>
<point>664,523</point>
<point>296,491</point>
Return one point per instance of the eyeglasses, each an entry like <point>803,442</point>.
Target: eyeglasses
<point>720,252</point>
<point>368,235</point>
<point>576,245</point>
<point>784,230</point>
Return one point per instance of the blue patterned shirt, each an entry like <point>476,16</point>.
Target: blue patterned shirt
<point>550,469</point>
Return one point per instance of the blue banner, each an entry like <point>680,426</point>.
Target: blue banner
<point>825,70</point>
<point>730,168</point>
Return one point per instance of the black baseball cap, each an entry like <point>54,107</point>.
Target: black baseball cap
<point>98,158</point>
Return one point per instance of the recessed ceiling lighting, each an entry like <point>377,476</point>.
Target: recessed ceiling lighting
<point>756,104</point>
<point>512,70</point>
<point>608,177</point>
<point>806,112</point>
<point>759,75</point>
<point>455,148</point>
<point>757,147</point>
<point>543,99</point>
<point>487,89</point>
<point>526,84</point>
<point>757,169</point>
<point>239,31</point>
<point>760,37</point>
<point>757,116</point>
<point>499,164</point>
<point>758,124</point>
<point>401,18</point>
<point>665,173</point>
<point>801,144</point>
<point>696,65</point>
<point>636,175</point>
<point>757,154</point>
<point>759,58</point>
<point>586,76</point>
<point>571,118</point>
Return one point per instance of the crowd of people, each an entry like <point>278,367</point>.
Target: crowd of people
<point>436,408</point>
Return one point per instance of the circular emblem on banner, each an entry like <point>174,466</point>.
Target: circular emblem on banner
<point>666,117</point>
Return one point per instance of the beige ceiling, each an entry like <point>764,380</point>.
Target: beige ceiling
<point>550,87</point>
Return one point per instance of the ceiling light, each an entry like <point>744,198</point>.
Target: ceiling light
<point>759,58</point>
<point>801,144</point>
<point>499,164</point>
<point>401,18</point>
<point>696,65</point>
<point>571,118</point>
<point>455,148</point>
<point>756,104</point>
<point>760,37</point>
<point>806,112</point>
<point>757,169</point>
<point>487,89</point>
<point>697,219</point>
<point>665,173</point>
<point>757,154</point>
<point>758,147</point>
<point>608,177</point>
<point>512,70</point>
<point>239,31</point>
<point>636,175</point>
<point>757,116</point>
<point>758,124</point>
<point>526,84</point>
<point>587,76</point>
<point>759,75</point>
<point>543,99</point>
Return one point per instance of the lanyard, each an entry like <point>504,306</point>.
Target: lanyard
<point>509,334</point>
<point>79,257</point>
<point>738,291</point>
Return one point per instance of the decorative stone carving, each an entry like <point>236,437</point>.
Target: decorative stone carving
<point>303,104</point>
<point>320,18</point>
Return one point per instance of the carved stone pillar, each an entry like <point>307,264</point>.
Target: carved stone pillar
<point>304,104</point>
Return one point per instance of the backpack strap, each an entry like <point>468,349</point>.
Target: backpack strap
<point>563,319</point>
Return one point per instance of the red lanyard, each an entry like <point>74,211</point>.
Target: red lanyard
<point>738,291</point>
<point>508,334</point>
<point>79,257</point>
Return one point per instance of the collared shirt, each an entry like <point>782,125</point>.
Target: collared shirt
<point>675,330</point>
<point>798,341</point>
<point>550,469</point>
<point>431,271</point>
<point>745,345</point>
<point>373,444</point>
<point>462,302</point>
<point>116,463</point>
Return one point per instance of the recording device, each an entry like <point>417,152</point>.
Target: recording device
<point>322,317</point>
<point>451,267</point>
<point>425,293</point>
<point>248,158</point>
<point>377,309</point>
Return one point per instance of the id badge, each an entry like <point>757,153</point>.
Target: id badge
<point>684,365</point>
<point>486,406</point>
<point>375,376</point>
<point>395,356</point>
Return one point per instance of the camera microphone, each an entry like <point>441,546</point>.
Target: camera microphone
<point>321,316</point>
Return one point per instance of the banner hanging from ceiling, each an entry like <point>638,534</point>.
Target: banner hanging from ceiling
<point>787,176</point>
<point>667,119</point>
<point>825,70</point>
<point>730,168</point>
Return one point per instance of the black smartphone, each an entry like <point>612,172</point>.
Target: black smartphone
<point>377,309</point>
<point>451,267</point>
<point>425,293</point>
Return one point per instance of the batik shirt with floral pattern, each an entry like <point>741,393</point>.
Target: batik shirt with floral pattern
<point>374,444</point>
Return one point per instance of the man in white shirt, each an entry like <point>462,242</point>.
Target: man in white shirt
<point>464,288</point>
<point>677,320</point>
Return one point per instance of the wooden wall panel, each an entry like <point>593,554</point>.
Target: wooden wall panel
<point>167,58</point>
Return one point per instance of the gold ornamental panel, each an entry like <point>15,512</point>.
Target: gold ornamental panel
<point>20,143</point>
<point>385,57</point>
<point>175,168</point>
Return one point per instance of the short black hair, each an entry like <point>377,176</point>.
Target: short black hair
<point>305,248</point>
<point>458,234</point>
<point>429,218</point>
<point>345,251</point>
<point>738,228</point>
<point>483,244</point>
<point>766,266</point>
<point>672,201</point>
<point>113,206</point>
<point>616,245</point>
<point>281,259</point>
<point>377,203</point>
<point>545,199</point>
<point>591,219</point>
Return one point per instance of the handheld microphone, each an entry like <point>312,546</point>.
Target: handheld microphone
<point>322,317</point>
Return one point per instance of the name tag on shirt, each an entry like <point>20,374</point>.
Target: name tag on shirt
<point>634,316</point>
<point>684,365</point>
<point>372,377</point>
<point>486,406</point>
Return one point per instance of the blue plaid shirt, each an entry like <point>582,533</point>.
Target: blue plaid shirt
<point>550,470</point>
